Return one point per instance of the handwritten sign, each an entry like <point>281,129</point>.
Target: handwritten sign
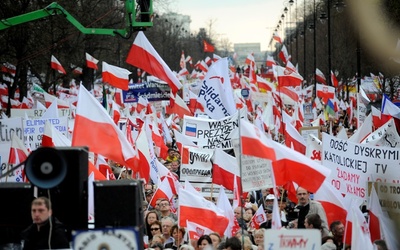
<point>309,239</point>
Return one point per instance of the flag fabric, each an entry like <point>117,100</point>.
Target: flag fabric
<point>208,47</point>
<point>91,62</point>
<point>375,212</point>
<point>325,92</point>
<point>270,61</point>
<point>277,38</point>
<point>115,76</point>
<point>330,109</point>
<point>195,230</point>
<point>294,140</point>
<point>284,55</point>
<point>319,76</point>
<point>54,138</point>
<point>180,108</point>
<point>164,190</point>
<point>332,202</point>
<point>259,217</point>
<point>334,80</point>
<point>216,93</point>
<point>287,77</point>
<point>116,113</point>
<point>143,55</point>
<point>56,65</point>
<point>360,235</point>
<point>363,131</point>
<point>93,124</point>
<point>287,164</point>
<point>145,158</point>
<point>225,169</point>
<point>18,154</point>
<point>276,222</point>
<point>193,207</point>
<point>224,204</point>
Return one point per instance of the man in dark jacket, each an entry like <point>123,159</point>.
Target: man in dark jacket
<point>36,236</point>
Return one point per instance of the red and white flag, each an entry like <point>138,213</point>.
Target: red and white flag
<point>49,99</point>
<point>224,204</point>
<point>182,140</point>
<point>91,62</point>
<point>320,77</point>
<point>18,154</point>
<point>284,55</point>
<point>363,131</point>
<point>180,108</point>
<point>287,77</point>
<point>193,207</point>
<point>360,235</point>
<point>325,92</point>
<point>54,138</point>
<point>294,140</point>
<point>259,217</point>
<point>143,55</point>
<point>334,80</point>
<point>93,124</point>
<point>332,201</point>
<point>225,169</point>
<point>141,104</point>
<point>277,38</point>
<point>287,164</point>
<point>270,61</point>
<point>195,230</point>
<point>276,222</point>
<point>164,190</point>
<point>145,158</point>
<point>115,76</point>
<point>56,65</point>
<point>116,113</point>
<point>375,212</point>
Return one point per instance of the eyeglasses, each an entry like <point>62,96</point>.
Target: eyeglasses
<point>154,229</point>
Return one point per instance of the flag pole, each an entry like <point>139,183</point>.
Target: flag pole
<point>240,172</point>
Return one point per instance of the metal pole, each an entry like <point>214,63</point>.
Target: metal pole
<point>315,48</point>
<point>329,43</point>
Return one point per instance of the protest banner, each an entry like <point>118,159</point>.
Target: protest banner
<point>292,239</point>
<point>353,165</point>
<point>37,113</point>
<point>34,128</point>
<point>7,128</point>
<point>152,91</point>
<point>210,133</point>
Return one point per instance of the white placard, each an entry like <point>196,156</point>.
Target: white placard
<point>309,239</point>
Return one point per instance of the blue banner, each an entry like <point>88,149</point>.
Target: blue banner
<point>153,91</point>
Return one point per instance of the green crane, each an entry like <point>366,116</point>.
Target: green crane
<point>138,16</point>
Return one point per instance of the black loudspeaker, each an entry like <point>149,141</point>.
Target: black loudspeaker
<point>118,203</point>
<point>61,174</point>
<point>15,211</point>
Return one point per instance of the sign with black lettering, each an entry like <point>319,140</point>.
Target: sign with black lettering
<point>210,133</point>
<point>353,164</point>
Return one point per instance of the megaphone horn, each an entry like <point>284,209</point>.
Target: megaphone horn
<point>46,167</point>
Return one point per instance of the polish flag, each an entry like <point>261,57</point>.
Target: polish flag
<point>264,85</point>
<point>145,155</point>
<point>183,72</point>
<point>376,117</point>
<point>164,190</point>
<point>334,80</point>
<point>56,65</point>
<point>287,164</point>
<point>180,108</point>
<point>141,104</point>
<point>49,99</point>
<point>182,62</point>
<point>161,150</point>
<point>143,55</point>
<point>116,76</point>
<point>18,154</point>
<point>104,168</point>
<point>116,114</point>
<point>224,204</point>
<point>325,92</point>
<point>93,124</point>
<point>294,140</point>
<point>225,169</point>
<point>375,212</point>
<point>195,230</point>
<point>54,138</point>
<point>288,95</point>
<point>259,217</point>
<point>287,77</point>
<point>276,222</point>
<point>91,62</point>
<point>284,55</point>
<point>360,235</point>
<point>332,201</point>
<point>193,103</point>
<point>320,77</point>
<point>26,103</point>
<point>203,66</point>
<point>277,38</point>
<point>194,207</point>
<point>270,61</point>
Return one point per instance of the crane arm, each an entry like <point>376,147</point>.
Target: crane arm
<point>135,19</point>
